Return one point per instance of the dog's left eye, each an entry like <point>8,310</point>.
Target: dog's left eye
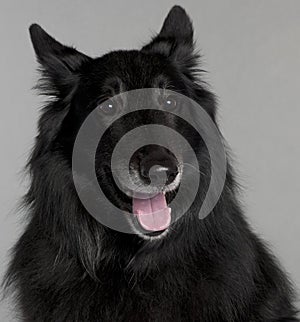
<point>108,107</point>
<point>168,101</point>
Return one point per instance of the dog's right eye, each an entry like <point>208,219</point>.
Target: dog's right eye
<point>108,107</point>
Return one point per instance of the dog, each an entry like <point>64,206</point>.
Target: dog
<point>70,266</point>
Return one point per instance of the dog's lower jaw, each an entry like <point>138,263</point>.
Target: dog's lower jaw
<point>148,237</point>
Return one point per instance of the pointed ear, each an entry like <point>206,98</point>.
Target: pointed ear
<point>175,40</point>
<point>59,63</point>
<point>178,25</point>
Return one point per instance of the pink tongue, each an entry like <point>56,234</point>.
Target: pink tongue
<point>153,214</point>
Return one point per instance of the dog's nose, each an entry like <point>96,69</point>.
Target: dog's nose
<point>155,167</point>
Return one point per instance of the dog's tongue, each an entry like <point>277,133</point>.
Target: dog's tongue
<point>153,214</point>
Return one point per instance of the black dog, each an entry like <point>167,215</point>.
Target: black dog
<point>69,267</point>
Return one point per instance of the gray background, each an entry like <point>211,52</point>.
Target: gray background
<point>250,48</point>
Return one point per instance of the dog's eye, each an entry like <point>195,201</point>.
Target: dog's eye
<point>168,101</point>
<point>108,107</point>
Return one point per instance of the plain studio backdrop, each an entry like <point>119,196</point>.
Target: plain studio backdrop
<point>251,50</point>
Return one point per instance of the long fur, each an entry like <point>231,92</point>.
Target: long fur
<point>68,267</point>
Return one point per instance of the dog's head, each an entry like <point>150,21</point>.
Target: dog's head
<point>81,85</point>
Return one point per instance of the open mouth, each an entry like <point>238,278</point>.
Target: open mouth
<point>143,189</point>
<point>147,189</point>
<point>155,174</point>
<point>153,214</point>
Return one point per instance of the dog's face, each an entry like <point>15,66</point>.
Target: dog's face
<point>83,85</point>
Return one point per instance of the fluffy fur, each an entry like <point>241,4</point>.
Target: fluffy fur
<point>68,267</point>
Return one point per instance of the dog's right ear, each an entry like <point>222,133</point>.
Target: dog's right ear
<point>59,63</point>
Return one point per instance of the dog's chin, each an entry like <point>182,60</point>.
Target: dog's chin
<point>150,236</point>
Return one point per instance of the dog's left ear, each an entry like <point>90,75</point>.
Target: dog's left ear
<point>178,25</point>
<point>175,40</point>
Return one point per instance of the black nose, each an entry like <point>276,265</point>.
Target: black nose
<point>158,161</point>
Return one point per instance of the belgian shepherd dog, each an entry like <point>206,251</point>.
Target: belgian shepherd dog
<point>68,266</point>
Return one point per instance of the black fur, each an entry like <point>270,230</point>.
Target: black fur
<point>68,267</point>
